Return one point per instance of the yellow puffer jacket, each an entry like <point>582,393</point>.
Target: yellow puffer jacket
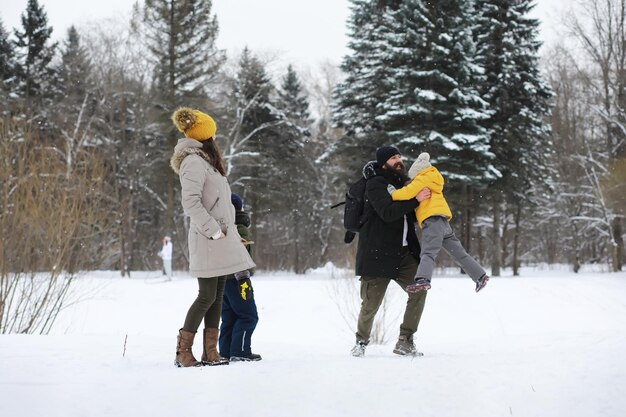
<point>436,204</point>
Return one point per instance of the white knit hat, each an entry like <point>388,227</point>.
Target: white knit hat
<point>421,163</point>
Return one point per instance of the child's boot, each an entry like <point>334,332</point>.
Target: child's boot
<point>481,282</point>
<point>421,284</point>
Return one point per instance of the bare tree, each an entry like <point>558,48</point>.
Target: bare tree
<point>600,28</point>
<point>47,223</point>
<point>124,131</point>
<point>344,291</point>
<point>329,234</point>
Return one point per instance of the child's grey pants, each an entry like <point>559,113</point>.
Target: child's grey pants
<point>437,234</point>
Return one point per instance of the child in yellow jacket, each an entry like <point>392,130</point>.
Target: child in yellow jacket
<point>433,216</point>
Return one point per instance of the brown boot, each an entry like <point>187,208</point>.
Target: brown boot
<point>406,347</point>
<point>184,355</point>
<point>210,356</point>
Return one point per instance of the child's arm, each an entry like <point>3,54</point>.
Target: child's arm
<point>410,190</point>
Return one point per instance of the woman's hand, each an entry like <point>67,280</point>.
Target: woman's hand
<point>218,237</point>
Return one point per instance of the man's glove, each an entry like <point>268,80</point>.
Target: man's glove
<point>244,284</point>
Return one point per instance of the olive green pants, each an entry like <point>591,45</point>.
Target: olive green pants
<point>373,291</point>
<point>207,306</point>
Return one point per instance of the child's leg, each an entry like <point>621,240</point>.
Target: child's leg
<point>229,318</point>
<point>247,318</point>
<point>433,230</point>
<point>452,245</point>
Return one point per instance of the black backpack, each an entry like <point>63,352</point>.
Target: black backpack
<point>354,212</point>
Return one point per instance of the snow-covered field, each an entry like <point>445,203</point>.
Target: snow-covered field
<point>549,343</point>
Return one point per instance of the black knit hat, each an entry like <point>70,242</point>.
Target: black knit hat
<point>384,153</point>
<point>237,201</point>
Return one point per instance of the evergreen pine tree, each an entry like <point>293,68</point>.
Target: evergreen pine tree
<point>75,69</point>
<point>7,69</point>
<point>293,100</point>
<point>357,98</point>
<point>293,137</point>
<point>252,139</point>
<point>180,37</point>
<point>519,98</point>
<point>432,102</point>
<point>34,52</point>
<point>254,87</point>
<point>7,58</point>
<point>412,81</point>
<point>516,92</point>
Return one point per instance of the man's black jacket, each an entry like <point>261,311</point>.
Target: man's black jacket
<point>380,238</point>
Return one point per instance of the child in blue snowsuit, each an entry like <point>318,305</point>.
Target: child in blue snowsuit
<point>239,313</point>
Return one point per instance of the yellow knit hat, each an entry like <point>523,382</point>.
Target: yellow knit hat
<point>194,124</point>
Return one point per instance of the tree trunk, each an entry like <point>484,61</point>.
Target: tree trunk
<point>467,217</point>
<point>495,258</point>
<point>552,245</point>
<point>121,193</point>
<point>575,257</point>
<point>503,240</point>
<point>122,250</point>
<point>481,245</point>
<point>618,245</point>
<point>518,215</point>
<point>254,215</point>
<point>131,225</point>
<point>296,241</point>
<point>169,215</point>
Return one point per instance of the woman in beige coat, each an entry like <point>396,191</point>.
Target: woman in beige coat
<point>215,248</point>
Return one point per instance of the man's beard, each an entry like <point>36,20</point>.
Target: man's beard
<point>398,167</point>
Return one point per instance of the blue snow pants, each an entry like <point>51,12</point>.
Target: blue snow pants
<point>239,319</point>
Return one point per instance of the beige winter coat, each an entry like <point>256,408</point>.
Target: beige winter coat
<point>206,200</point>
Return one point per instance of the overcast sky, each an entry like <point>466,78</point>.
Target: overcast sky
<point>305,32</point>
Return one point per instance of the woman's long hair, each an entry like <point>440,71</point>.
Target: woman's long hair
<point>215,155</point>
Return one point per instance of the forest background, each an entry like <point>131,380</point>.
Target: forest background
<point>533,145</point>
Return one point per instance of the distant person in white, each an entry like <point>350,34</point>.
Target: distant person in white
<point>166,255</point>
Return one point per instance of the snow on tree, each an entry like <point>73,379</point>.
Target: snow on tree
<point>293,138</point>
<point>76,102</point>
<point>411,81</point>
<point>251,142</point>
<point>519,97</point>
<point>358,96</point>
<point>250,115</point>
<point>123,133</point>
<point>432,102</point>
<point>328,234</point>
<point>600,28</point>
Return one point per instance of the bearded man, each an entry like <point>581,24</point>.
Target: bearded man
<point>388,250</point>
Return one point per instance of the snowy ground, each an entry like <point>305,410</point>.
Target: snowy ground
<point>549,343</point>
